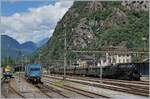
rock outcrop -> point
(136, 5)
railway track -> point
(126, 81)
(10, 89)
(136, 86)
(82, 92)
(104, 79)
(57, 91)
(45, 89)
(16, 91)
(122, 83)
(132, 89)
(2, 80)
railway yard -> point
(54, 86)
(75, 49)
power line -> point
(111, 51)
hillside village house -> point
(119, 55)
(114, 59)
(85, 62)
(109, 59)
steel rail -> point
(80, 91)
(16, 91)
(56, 91)
(43, 91)
(127, 90)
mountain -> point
(7, 42)
(29, 47)
(11, 47)
(42, 42)
(92, 25)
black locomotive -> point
(122, 71)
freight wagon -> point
(123, 71)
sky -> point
(31, 20)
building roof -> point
(115, 48)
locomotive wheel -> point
(28, 80)
(41, 82)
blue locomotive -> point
(33, 73)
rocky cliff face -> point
(136, 5)
(83, 34)
(93, 25)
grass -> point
(58, 83)
(1, 75)
(15, 74)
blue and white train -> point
(33, 73)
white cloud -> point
(35, 24)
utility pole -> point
(21, 89)
(94, 60)
(22, 62)
(26, 60)
(7, 56)
(39, 57)
(65, 53)
(144, 47)
(144, 43)
(7, 59)
(101, 73)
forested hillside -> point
(94, 25)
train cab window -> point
(35, 69)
